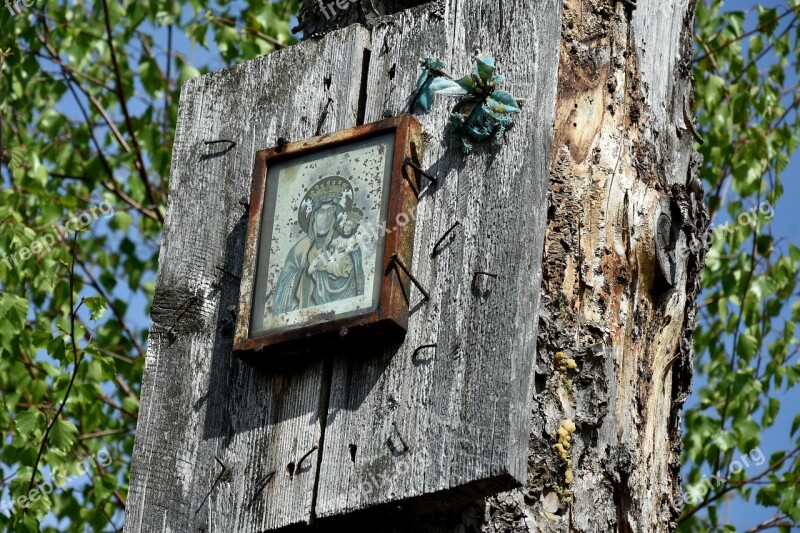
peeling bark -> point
(609, 309)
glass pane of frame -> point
(321, 248)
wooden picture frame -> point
(330, 232)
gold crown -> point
(354, 214)
(328, 189)
(332, 189)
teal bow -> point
(484, 111)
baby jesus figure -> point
(338, 259)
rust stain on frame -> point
(326, 216)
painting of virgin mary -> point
(325, 264)
(321, 256)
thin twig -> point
(119, 193)
(757, 29)
(98, 434)
(113, 307)
(261, 35)
(76, 360)
(775, 521)
(735, 485)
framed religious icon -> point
(330, 238)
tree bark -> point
(619, 280)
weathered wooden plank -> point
(215, 436)
(321, 16)
(455, 417)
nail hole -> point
(353, 449)
(290, 470)
(540, 382)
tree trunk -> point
(618, 286)
(619, 281)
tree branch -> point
(128, 120)
(119, 193)
(735, 485)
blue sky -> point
(784, 224)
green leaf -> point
(448, 87)
(13, 308)
(97, 305)
(41, 338)
(484, 67)
(725, 440)
(187, 73)
(62, 435)
(770, 412)
(28, 422)
(502, 102)
(468, 83)
(747, 346)
(57, 349)
(150, 75)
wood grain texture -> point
(662, 39)
(455, 416)
(215, 436)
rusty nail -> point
(399, 263)
(231, 274)
(309, 452)
(443, 237)
(232, 143)
(216, 481)
(411, 184)
(408, 162)
(420, 348)
(261, 485)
